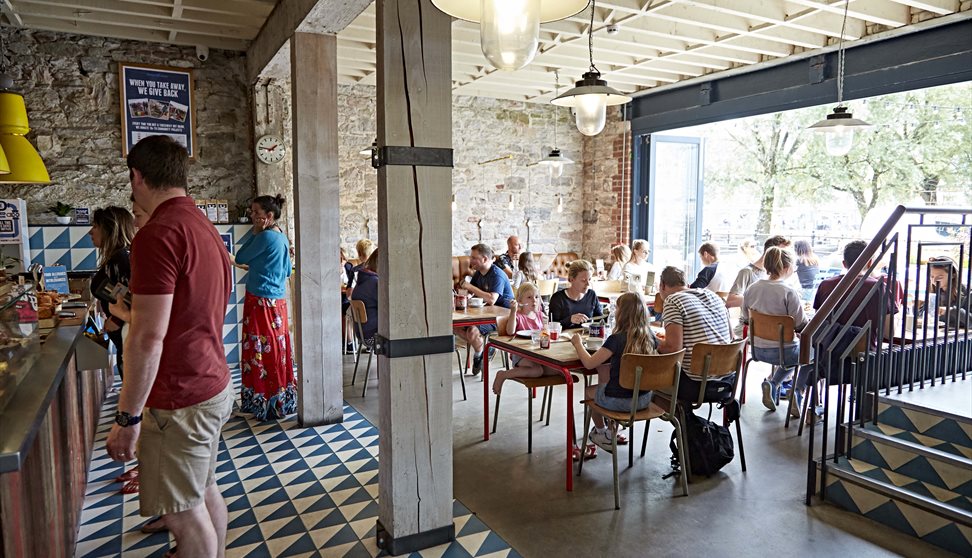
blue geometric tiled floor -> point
(290, 491)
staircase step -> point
(923, 440)
(911, 459)
(910, 484)
(947, 427)
(938, 523)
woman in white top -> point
(776, 296)
(621, 254)
(638, 264)
(526, 271)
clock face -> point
(270, 149)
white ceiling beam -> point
(940, 7)
(227, 7)
(881, 12)
(12, 15)
(105, 29)
(120, 7)
(165, 25)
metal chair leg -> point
(630, 445)
(543, 404)
(742, 451)
(682, 455)
(644, 441)
(549, 405)
(614, 462)
(742, 389)
(354, 374)
(529, 422)
(495, 414)
(367, 372)
(583, 444)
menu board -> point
(10, 220)
(156, 100)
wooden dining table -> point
(483, 315)
(561, 356)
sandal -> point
(148, 529)
(590, 452)
(622, 440)
(131, 487)
(128, 475)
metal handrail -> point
(826, 309)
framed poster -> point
(156, 100)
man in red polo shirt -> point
(178, 375)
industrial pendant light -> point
(509, 30)
(591, 96)
(555, 160)
(4, 166)
(24, 165)
(838, 128)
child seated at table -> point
(526, 314)
(631, 335)
(526, 271)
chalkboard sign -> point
(156, 100)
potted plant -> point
(242, 213)
(63, 212)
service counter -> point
(49, 411)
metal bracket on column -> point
(416, 346)
(411, 156)
(415, 542)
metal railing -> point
(887, 326)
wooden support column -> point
(317, 304)
(414, 243)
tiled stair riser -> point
(900, 515)
(950, 430)
(951, 474)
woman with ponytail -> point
(267, 364)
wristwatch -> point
(124, 419)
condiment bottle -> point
(545, 338)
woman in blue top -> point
(269, 385)
(366, 290)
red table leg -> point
(570, 429)
(486, 392)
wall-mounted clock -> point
(270, 149)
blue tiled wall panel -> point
(71, 246)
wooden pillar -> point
(414, 243)
(317, 302)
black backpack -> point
(709, 444)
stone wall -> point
(483, 129)
(70, 87)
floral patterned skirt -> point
(269, 384)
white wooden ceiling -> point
(659, 42)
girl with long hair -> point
(526, 313)
(526, 271)
(621, 254)
(631, 335)
(807, 265)
(112, 231)
(951, 295)
(269, 385)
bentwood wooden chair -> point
(716, 361)
(641, 373)
(547, 287)
(773, 328)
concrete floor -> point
(761, 512)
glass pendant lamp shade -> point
(25, 164)
(555, 162)
(590, 99)
(838, 130)
(509, 32)
(4, 166)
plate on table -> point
(525, 333)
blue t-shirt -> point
(268, 255)
(495, 281)
(616, 343)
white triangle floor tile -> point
(268, 449)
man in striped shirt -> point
(690, 316)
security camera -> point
(202, 53)
(613, 29)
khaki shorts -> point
(177, 454)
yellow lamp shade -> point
(13, 114)
(4, 166)
(26, 166)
